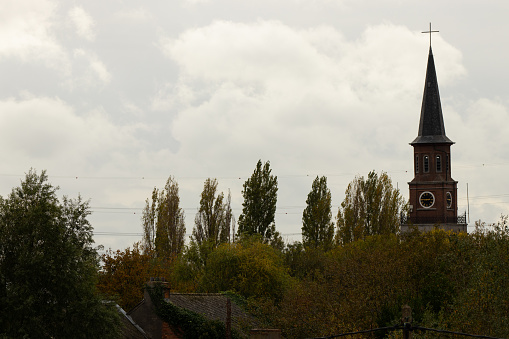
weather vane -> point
(430, 31)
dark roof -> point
(213, 307)
(130, 330)
(431, 125)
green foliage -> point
(149, 223)
(371, 206)
(305, 263)
(212, 223)
(259, 206)
(48, 268)
(457, 282)
(163, 222)
(191, 325)
(317, 225)
(358, 286)
(187, 270)
(249, 267)
(482, 306)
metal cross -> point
(430, 31)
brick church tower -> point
(433, 192)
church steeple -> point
(431, 125)
(433, 191)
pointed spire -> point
(431, 126)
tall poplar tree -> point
(317, 224)
(213, 221)
(148, 220)
(163, 221)
(259, 206)
(371, 206)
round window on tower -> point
(448, 199)
(427, 199)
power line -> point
(452, 332)
(239, 177)
(409, 327)
(125, 234)
(139, 234)
(498, 195)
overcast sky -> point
(112, 97)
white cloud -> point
(131, 108)
(26, 32)
(170, 97)
(37, 127)
(35, 130)
(271, 56)
(481, 128)
(196, 2)
(273, 90)
(244, 52)
(83, 22)
(139, 14)
(480, 155)
(94, 69)
(100, 70)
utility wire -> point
(409, 327)
(301, 207)
(142, 177)
(452, 332)
(91, 177)
(106, 233)
(395, 327)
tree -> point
(248, 267)
(212, 223)
(371, 206)
(163, 222)
(149, 223)
(124, 274)
(48, 267)
(317, 225)
(259, 206)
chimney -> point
(160, 282)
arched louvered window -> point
(426, 164)
(439, 163)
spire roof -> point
(431, 125)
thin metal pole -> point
(468, 205)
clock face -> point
(427, 199)
(448, 199)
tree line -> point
(371, 206)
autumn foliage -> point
(124, 274)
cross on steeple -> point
(430, 31)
